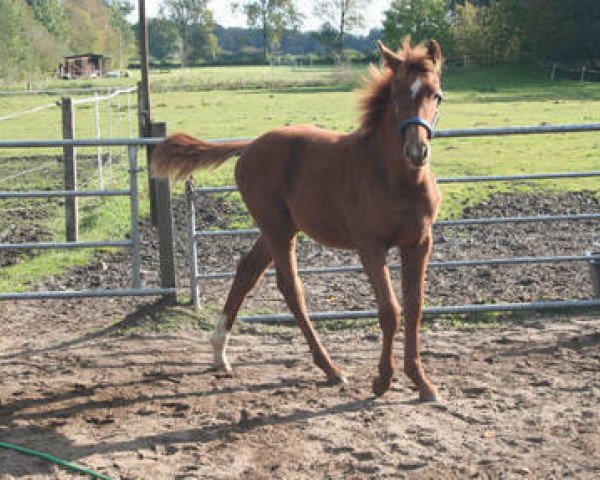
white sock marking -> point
(219, 341)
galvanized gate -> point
(593, 258)
(137, 289)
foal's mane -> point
(375, 96)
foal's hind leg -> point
(249, 270)
(289, 283)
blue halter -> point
(404, 124)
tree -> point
(162, 38)
(91, 29)
(13, 46)
(328, 38)
(187, 15)
(566, 30)
(343, 15)
(504, 29)
(420, 19)
(468, 32)
(213, 45)
(27, 48)
(51, 15)
(551, 30)
(200, 44)
(118, 11)
(271, 17)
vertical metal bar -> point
(136, 260)
(120, 122)
(109, 120)
(99, 148)
(594, 265)
(193, 243)
(129, 116)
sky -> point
(223, 15)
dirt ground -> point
(521, 401)
(104, 383)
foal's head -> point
(415, 94)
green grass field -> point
(228, 77)
(473, 98)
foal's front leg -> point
(374, 263)
(414, 265)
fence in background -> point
(111, 124)
(583, 74)
(137, 289)
(593, 258)
(164, 224)
(68, 121)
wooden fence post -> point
(70, 159)
(145, 127)
(164, 219)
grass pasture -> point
(482, 98)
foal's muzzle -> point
(417, 155)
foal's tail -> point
(180, 154)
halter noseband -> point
(416, 120)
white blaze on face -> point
(415, 88)
(218, 341)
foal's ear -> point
(391, 59)
(434, 52)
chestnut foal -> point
(369, 191)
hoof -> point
(337, 380)
(223, 368)
(428, 396)
(380, 386)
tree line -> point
(496, 31)
(36, 34)
(487, 31)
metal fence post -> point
(594, 263)
(193, 243)
(164, 219)
(136, 260)
(70, 158)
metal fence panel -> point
(457, 309)
(133, 242)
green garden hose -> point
(50, 458)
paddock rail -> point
(592, 258)
(137, 289)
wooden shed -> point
(88, 65)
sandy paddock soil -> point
(521, 401)
(518, 401)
